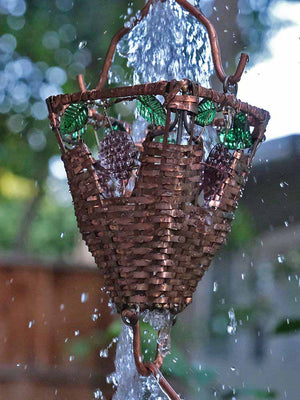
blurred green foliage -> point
(243, 231)
(288, 326)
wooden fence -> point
(52, 322)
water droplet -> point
(62, 235)
(231, 327)
(82, 44)
(283, 184)
(31, 323)
(280, 258)
(62, 307)
(230, 330)
(98, 394)
(233, 368)
(286, 223)
(84, 297)
(103, 353)
(95, 317)
(71, 358)
(215, 288)
(243, 276)
(76, 333)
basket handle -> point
(213, 38)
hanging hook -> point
(228, 87)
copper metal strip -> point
(158, 88)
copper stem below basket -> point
(146, 369)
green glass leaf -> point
(239, 136)
(206, 113)
(73, 121)
(151, 109)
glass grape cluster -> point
(117, 159)
(216, 169)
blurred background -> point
(240, 337)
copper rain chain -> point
(137, 205)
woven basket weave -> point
(154, 246)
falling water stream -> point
(168, 44)
(130, 385)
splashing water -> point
(130, 385)
(162, 322)
(168, 44)
(231, 327)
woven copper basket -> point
(153, 245)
